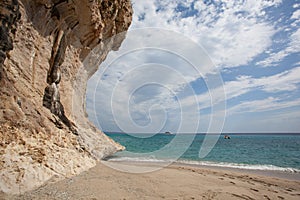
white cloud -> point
(162, 99)
(285, 81)
(296, 64)
(232, 32)
(296, 5)
(292, 46)
(272, 116)
(263, 105)
(284, 121)
(282, 82)
(296, 15)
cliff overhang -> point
(47, 54)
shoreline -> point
(289, 174)
(172, 182)
(268, 173)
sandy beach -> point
(172, 182)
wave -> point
(241, 166)
(207, 163)
(136, 159)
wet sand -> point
(172, 182)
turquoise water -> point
(265, 152)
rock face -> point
(48, 51)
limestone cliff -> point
(48, 51)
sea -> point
(269, 152)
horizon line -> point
(226, 133)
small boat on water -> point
(226, 137)
(168, 133)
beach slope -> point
(173, 182)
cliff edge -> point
(48, 51)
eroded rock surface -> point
(48, 51)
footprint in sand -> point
(280, 197)
(273, 191)
(250, 183)
(255, 190)
(266, 197)
(243, 196)
(232, 182)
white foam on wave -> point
(136, 159)
(241, 166)
(207, 163)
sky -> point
(202, 66)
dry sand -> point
(173, 182)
